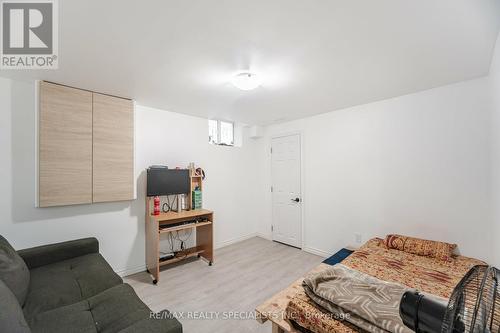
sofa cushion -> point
(70, 318)
(68, 282)
(13, 271)
(113, 310)
(11, 315)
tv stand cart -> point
(159, 224)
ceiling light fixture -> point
(246, 81)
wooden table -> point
(161, 224)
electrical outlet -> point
(358, 238)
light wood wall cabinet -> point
(113, 161)
(86, 147)
(65, 146)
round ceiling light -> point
(246, 81)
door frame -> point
(302, 191)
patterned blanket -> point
(425, 274)
(362, 300)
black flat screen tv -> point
(163, 181)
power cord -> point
(176, 236)
(183, 240)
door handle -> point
(296, 199)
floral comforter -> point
(426, 274)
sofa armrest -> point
(52, 253)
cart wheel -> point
(155, 281)
(209, 263)
(199, 255)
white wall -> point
(495, 93)
(161, 138)
(416, 165)
(420, 164)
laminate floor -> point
(244, 275)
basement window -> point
(220, 132)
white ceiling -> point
(314, 56)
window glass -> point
(213, 136)
(226, 133)
(220, 132)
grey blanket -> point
(361, 299)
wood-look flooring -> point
(244, 275)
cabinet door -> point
(113, 145)
(65, 146)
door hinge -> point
(272, 228)
(271, 188)
(271, 150)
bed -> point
(292, 310)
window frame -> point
(218, 138)
(216, 142)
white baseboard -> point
(317, 252)
(142, 268)
(261, 235)
(131, 270)
(234, 240)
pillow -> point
(422, 247)
(13, 271)
(11, 317)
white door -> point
(286, 192)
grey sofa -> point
(69, 287)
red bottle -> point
(156, 201)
